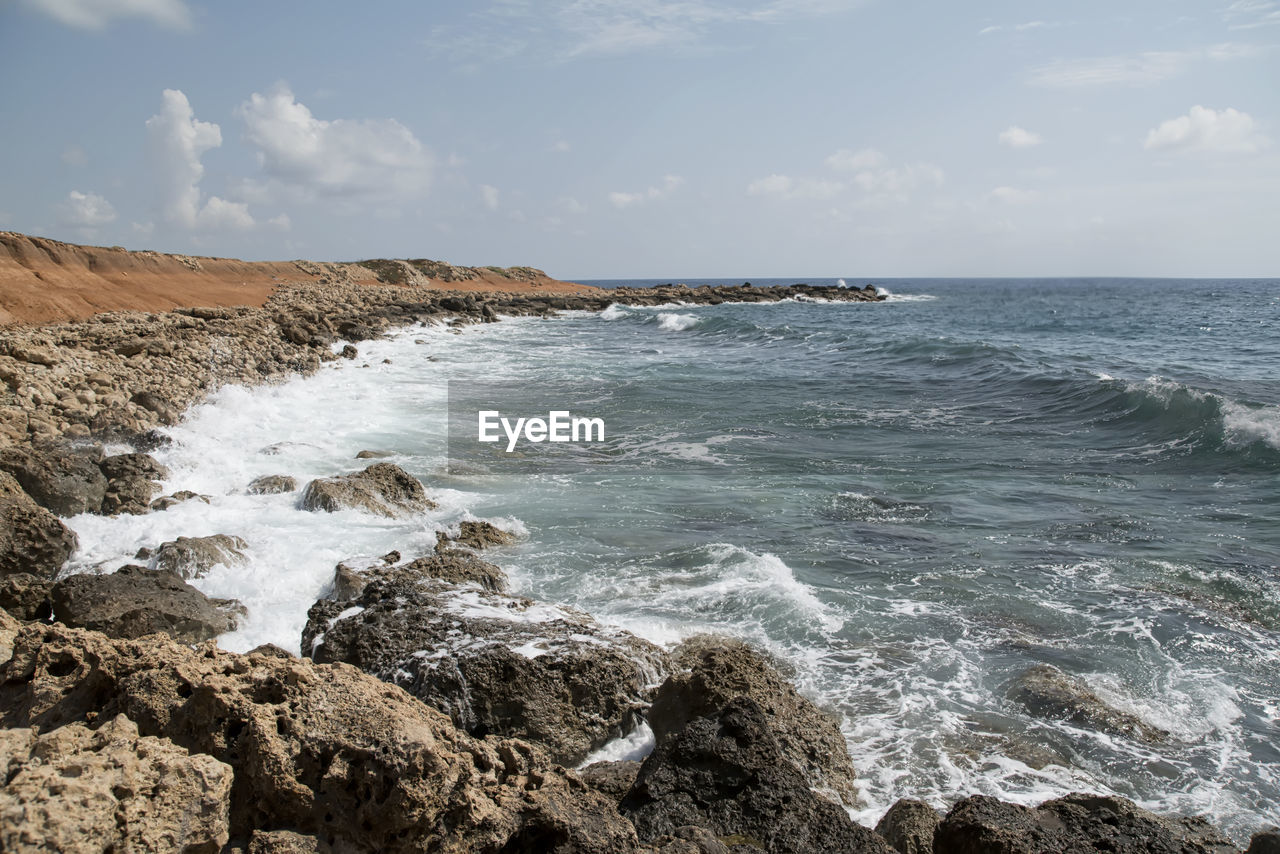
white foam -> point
(1244, 425)
(634, 746)
(614, 312)
(677, 322)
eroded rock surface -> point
(1047, 692)
(382, 488)
(193, 557)
(909, 826)
(134, 601)
(273, 484)
(63, 480)
(475, 535)
(32, 540)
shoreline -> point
(295, 334)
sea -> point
(908, 503)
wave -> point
(676, 322)
(890, 296)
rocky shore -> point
(432, 710)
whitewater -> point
(909, 502)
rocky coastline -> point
(431, 710)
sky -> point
(655, 138)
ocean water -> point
(908, 502)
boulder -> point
(193, 557)
(1047, 692)
(697, 840)
(164, 502)
(460, 568)
(132, 480)
(494, 663)
(63, 481)
(109, 789)
(474, 535)
(382, 488)
(726, 772)
(32, 540)
(26, 596)
(133, 602)
(611, 779)
(909, 826)
(9, 628)
(718, 669)
(318, 750)
(285, 842)
(1079, 822)
(374, 455)
(273, 484)
(1265, 842)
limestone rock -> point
(460, 568)
(611, 779)
(26, 596)
(134, 601)
(75, 789)
(1265, 842)
(1047, 692)
(495, 663)
(193, 557)
(1078, 822)
(909, 826)
(720, 669)
(32, 539)
(132, 480)
(726, 772)
(61, 480)
(382, 488)
(475, 535)
(273, 484)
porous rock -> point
(76, 789)
(319, 750)
(134, 601)
(475, 535)
(720, 669)
(32, 539)
(62, 480)
(611, 779)
(132, 481)
(26, 596)
(273, 484)
(382, 488)
(726, 772)
(909, 826)
(193, 557)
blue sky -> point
(664, 138)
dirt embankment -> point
(48, 281)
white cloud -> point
(281, 222)
(340, 157)
(1250, 14)
(74, 155)
(1012, 195)
(1142, 69)
(898, 180)
(96, 14)
(774, 185)
(1203, 129)
(848, 160)
(178, 140)
(490, 196)
(1016, 137)
(786, 187)
(86, 210)
(624, 200)
(1017, 28)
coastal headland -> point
(126, 728)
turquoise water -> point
(909, 502)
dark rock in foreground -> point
(494, 663)
(722, 668)
(26, 596)
(1077, 823)
(63, 480)
(133, 602)
(132, 481)
(382, 488)
(611, 779)
(32, 540)
(1047, 692)
(726, 772)
(909, 826)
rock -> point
(273, 484)
(318, 750)
(720, 669)
(109, 789)
(1078, 822)
(496, 664)
(611, 779)
(193, 557)
(460, 568)
(134, 601)
(165, 411)
(32, 540)
(1265, 842)
(382, 488)
(26, 596)
(35, 356)
(349, 352)
(1047, 692)
(284, 842)
(63, 481)
(166, 501)
(909, 826)
(726, 772)
(475, 535)
(374, 455)
(695, 840)
(132, 480)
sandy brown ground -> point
(48, 281)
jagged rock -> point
(134, 601)
(1077, 823)
(696, 840)
(132, 480)
(909, 826)
(1047, 692)
(1265, 842)
(319, 750)
(164, 502)
(726, 772)
(9, 628)
(285, 842)
(611, 779)
(76, 789)
(26, 596)
(193, 557)
(273, 484)
(721, 668)
(32, 539)
(475, 535)
(382, 488)
(494, 663)
(63, 481)
(460, 568)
